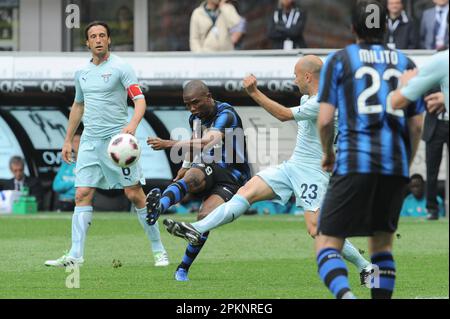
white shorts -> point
(308, 183)
(94, 168)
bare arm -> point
(325, 125)
(212, 137)
(398, 101)
(76, 114)
(140, 107)
(277, 110)
(415, 124)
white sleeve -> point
(307, 111)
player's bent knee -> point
(84, 195)
(195, 179)
(248, 192)
(131, 194)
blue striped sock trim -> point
(165, 203)
(385, 262)
(333, 271)
(182, 183)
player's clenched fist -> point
(250, 84)
(67, 152)
(328, 162)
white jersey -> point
(302, 174)
(308, 149)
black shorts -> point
(219, 181)
(361, 205)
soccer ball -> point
(124, 150)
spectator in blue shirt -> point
(415, 204)
(64, 182)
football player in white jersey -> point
(101, 90)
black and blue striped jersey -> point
(373, 138)
(234, 152)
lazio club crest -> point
(106, 77)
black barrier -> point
(164, 92)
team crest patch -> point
(106, 77)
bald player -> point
(301, 175)
(213, 170)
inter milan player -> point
(301, 175)
(101, 101)
(216, 165)
(375, 148)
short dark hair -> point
(95, 23)
(360, 16)
(16, 160)
(417, 176)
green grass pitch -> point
(255, 257)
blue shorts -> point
(94, 168)
(308, 183)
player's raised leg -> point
(137, 196)
(81, 220)
(380, 247)
(253, 191)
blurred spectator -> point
(435, 135)
(122, 30)
(414, 204)
(20, 180)
(64, 182)
(238, 32)
(286, 26)
(433, 28)
(211, 26)
(401, 32)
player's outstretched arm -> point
(211, 138)
(399, 101)
(76, 113)
(140, 107)
(277, 110)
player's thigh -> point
(311, 218)
(196, 179)
(88, 170)
(84, 195)
(390, 193)
(309, 185)
(119, 177)
(275, 185)
(209, 205)
(255, 190)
